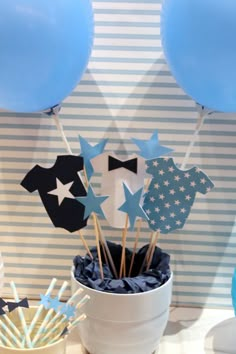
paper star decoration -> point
(132, 207)
(88, 152)
(45, 301)
(68, 311)
(92, 203)
(62, 191)
(151, 149)
(55, 303)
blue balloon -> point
(199, 42)
(44, 50)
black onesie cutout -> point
(70, 213)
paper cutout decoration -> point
(171, 194)
(92, 203)
(62, 191)
(233, 291)
(132, 205)
(53, 187)
(55, 303)
(151, 149)
(2, 305)
(68, 310)
(64, 332)
(112, 183)
(88, 152)
(130, 165)
(14, 305)
(45, 301)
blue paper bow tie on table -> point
(131, 165)
(13, 305)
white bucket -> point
(124, 323)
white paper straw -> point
(81, 303)
(11, 335)
(12, 325)
(6, 340)
(41, 329)
(70, 327)
(21, 315)
(48, 328)
(40, 308)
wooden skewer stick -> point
(101, 236)
(68, 148)
(123, 257)
(156, 236)
(146, 258)
(135, 245)
(98, 245)
(97, 233)
(138, 232)
(104, 242)
(103, 249)
(85, 244)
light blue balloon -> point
(199, 42)
(44, 50)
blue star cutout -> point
(68, 311)
(88, 152)
(151, 149)
(55, 303)
(132, 207)
(45, 301)
(92, 203)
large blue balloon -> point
(44, 50)
(199, 41)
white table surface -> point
(189, 331)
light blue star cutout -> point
(68, 311)
(151, 149)
(45, 301)
(132, 207)
(55, 304)
(92, 203)
(88, 152)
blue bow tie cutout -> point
(131, 165)
(13, 305)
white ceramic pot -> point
(124, 323)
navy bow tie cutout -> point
(2, 304)
(65, 331)
(13, 305)
(131, 165)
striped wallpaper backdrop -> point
(127, 91)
